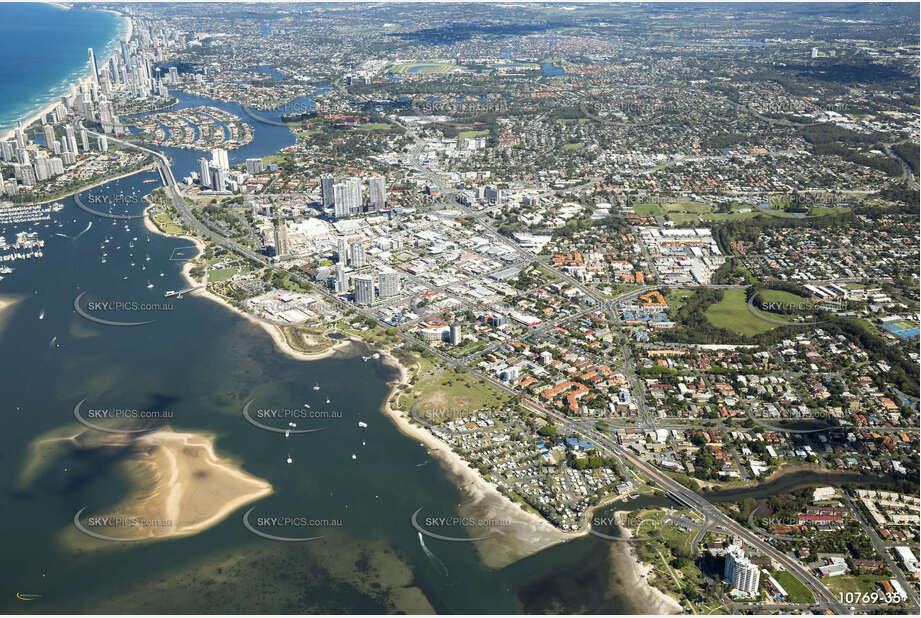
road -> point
(712, 515)
(882, 550)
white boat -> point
(354, 456)
(362, 424)
(316, 387)
(289, 460)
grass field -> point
(780, 296)
(571, 147)
(471, 133)
(732, 314)
(446, 390)
(166, 223)
(676, 298)
(649, 209)
(685, 212)
(853, 583)
(797, 590)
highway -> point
(713, 516)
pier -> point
(179, 294)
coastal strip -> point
(127, 31)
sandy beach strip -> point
(529, 534)
(636, 576)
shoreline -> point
(124, 34)
(483, 499)
(103, 181)
(273, 330)
(539, 534)
(176, 485)
(181, 485)
(638, 578)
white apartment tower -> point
(377, 192)
(741, 573)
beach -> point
(528, 533)
(635, 576)
(126, 34)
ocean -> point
(43, 50)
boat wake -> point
(435, 560)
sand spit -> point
(180, 485)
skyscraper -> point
(455, 334)
(377, 192)
(218, 179)
(204, 173)
(342, 282)
(389, 284)
(71, 137)
(254, 166)
(340, 201)
(93, 68)
(354, 195)
(219, 159)
(357, 251)
(342, 251)
(48, 130)
(364, 289)
(326, 190)
(101, 142)
(281, 238)
(20, 136)
(106, 116)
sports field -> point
(732, 313)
